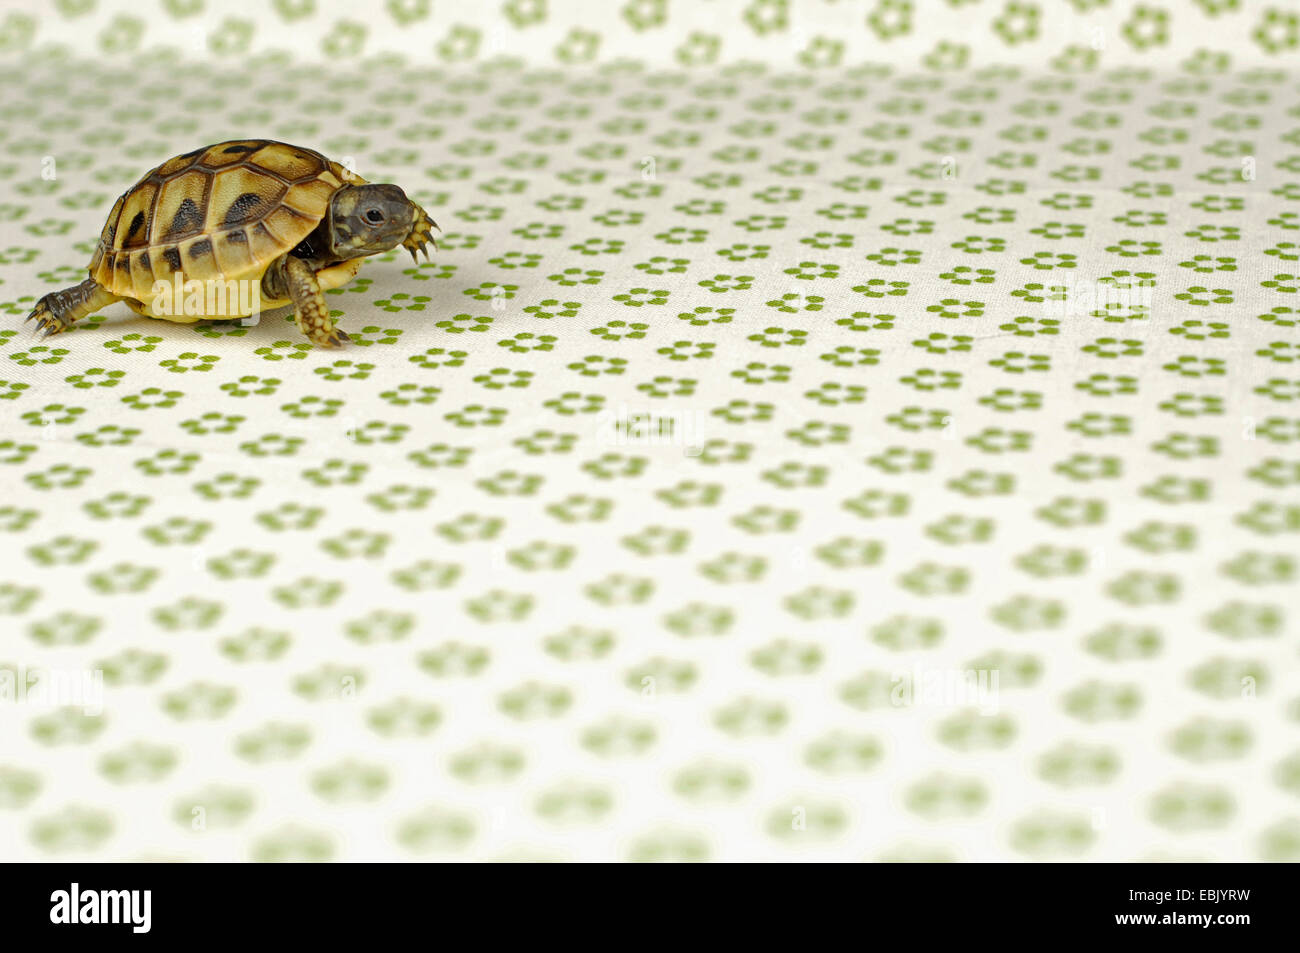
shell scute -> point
(293, 165)
(313, 197)
(178, 213)
(241, 196)
(230, 153)
(134, 217)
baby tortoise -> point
(284, 220)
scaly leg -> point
(57, 311)
(293, 278)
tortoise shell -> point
(226, 211)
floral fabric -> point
(827, 431)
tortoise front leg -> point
(57, 311)
(293, 278)
(420, 234)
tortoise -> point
(286, 221)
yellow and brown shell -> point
(223, 212)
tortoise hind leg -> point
(58, 310)
(293, 278)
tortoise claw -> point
(335, 337)
(47, 322)
(421, 236)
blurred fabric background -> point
(830, 430)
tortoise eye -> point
(374, 216)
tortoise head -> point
(369, 219)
